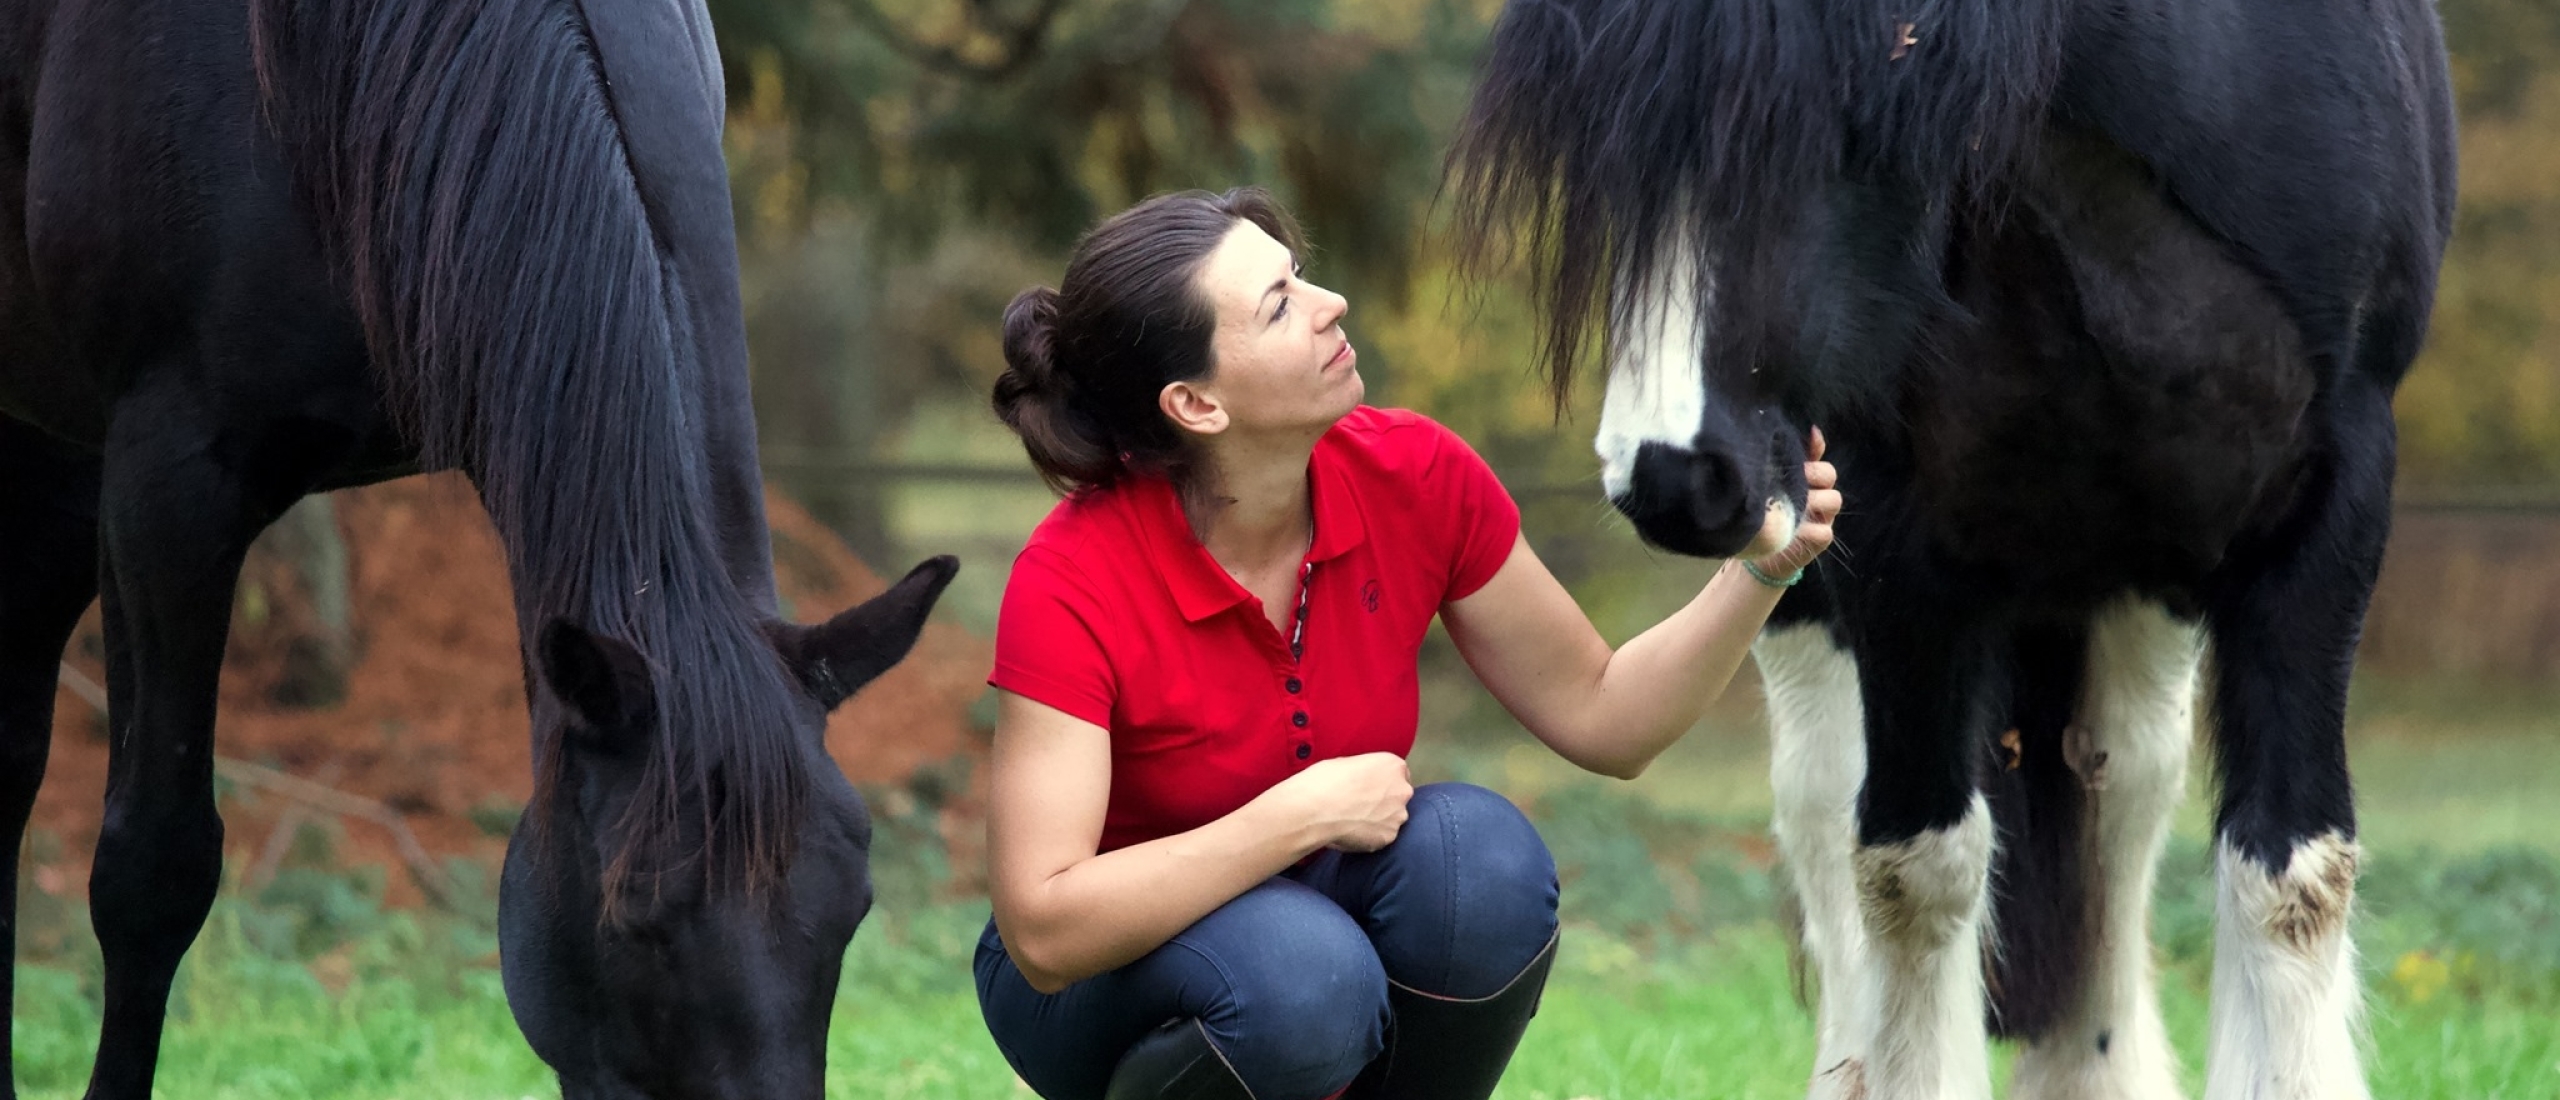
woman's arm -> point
(1613, 712)
(1066, 913)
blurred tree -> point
(294, 613)
(904, 166)
(2483, 405)
(1033, 117)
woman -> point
(1211, 875)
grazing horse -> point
(252, 250)
(2101, 307)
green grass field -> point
(1673, 981)
(1711, 1018)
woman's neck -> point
(1255, 511)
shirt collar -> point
(1201, 587)
(1335, 503)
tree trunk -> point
(295, 606)
(819, 348)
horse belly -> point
(154, 240)
(33, 388)
(2126, 400)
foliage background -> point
(901, 168)
(904, 166)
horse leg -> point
(1925, 835)
(1817, 757)
(2129, 746)
(48, 574)
(178, 521)
(2285, 617)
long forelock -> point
(1604, 132)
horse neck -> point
(530, 208)
(639, 533)
(539, 245)
(728, 460)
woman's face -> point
(1282, 363)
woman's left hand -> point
(1813, 533)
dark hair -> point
(1084, 362)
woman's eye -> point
(1283, 311)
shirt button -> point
(1294, 685)
(1305, 751)
(1299, 719)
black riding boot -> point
(1175, 1062)
(1440, 1049)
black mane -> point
(1614, 130)
(473, 178)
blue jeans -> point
(1290, 979)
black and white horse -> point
(2101, 307)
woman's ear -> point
(1192, 407)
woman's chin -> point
(1356, 390)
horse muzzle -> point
(1703, 504)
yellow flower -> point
(2421, 975)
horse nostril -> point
(1715, 485)
(1691, 502)
(1706, 489)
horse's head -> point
(1744, 204)
(1696, 452)
(645, 969)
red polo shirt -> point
(1116, 615)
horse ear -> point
(835, 658)
(604, 681)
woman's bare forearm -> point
(1655, 686)
(1107, 911)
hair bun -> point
(1030, 344)
(1035, 398)
(1086, 364)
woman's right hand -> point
(1353, 803)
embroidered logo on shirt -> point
(1370, 595)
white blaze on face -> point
(1657, 374)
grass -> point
(1710, 1018)
(1673, 981)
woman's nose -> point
(1332, 308)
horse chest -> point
(2125, 400)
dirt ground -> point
(433, 722)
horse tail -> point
(1615, 129)
(537, 255)
(2037, 946)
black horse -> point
(253, 250)
(2101, 306)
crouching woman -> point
(1211, 874)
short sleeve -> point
(1483, 521)
(1049, 639)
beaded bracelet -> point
(1788, 581)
